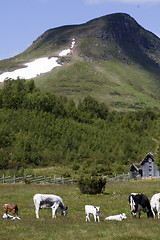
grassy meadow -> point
(113, 201)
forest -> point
(42, 129)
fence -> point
(37, 179)
(59, 180)
(118, 178)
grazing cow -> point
(139, 202)
(10, 208)
(49, 201)
(155, 204)
(119, 217)
(89, 209)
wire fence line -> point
(36, 179)
(28, 179)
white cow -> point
(89, 209)
(119, 217)
(155, 204)
(49, 201)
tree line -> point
(42, 129)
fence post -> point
(72, 180)
(3, 178)
(54, 178)
(24, 177)
(62, 180)
(35, 178)
(14, 179)
(115, 176)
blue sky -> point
(22, 21)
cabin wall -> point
(149, 169)
(135, 174)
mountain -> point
(114, 60)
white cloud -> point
(121, 1)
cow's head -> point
(150, 214)
(132, 203)
(97, 210)
(64, 211)
(124, 216)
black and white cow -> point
(49, 201)
(139, 202)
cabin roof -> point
(149, 155)
(135, 166)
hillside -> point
(39, 129)
(114, 60)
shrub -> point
(66, 174)
(76, 167)
(92, 185)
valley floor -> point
(113, 201)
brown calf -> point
(11, 208)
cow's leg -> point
(98, 218)
(54, 209)
(94, 217)
(53, 212)
(133, 214)
(154, 215)
(87, 217)
(37, 211)
(5, 213)
(135, 211)
(13, 212)
(139, 214)
(158, 208)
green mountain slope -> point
(114, 60)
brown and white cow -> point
(12, 209)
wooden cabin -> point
(147, 167)
(136, 170)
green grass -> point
(120, 86)
(113, 201)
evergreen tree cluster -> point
(42, 129)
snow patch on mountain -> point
(37, 67)
(67, 51)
